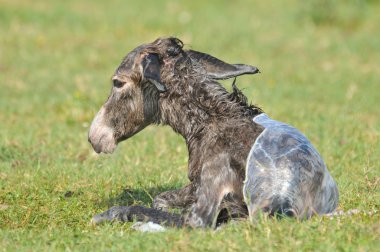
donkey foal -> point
(240, 161)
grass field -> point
(320, 73)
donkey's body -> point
(160, 83)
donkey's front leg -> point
(138, 213)
(180, 198)
(217, 180)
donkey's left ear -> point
(151, 71)
(219, 70)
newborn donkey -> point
(240, 161)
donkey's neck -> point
(205, 130)
(194, 105)
(185, 118)
(193, 119)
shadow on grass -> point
(129, 196)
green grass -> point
(320, 73)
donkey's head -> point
(138, 87)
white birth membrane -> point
(284, 169)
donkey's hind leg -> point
(180, 198)
(261, 197)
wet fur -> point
(216, 125)
(218, 129)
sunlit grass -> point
(320, 72)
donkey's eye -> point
(117, 83)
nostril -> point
(94, 146)
(91, 142)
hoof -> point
(115, 213)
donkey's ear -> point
(151, 71)
(219, 70)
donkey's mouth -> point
(103, 145)
(101, 136)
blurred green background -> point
(320, 72)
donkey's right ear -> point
(151, 71)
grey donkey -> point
(241, 162)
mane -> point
(217, 100)
(238, 97)
(197, 95)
